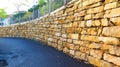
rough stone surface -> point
(114, 50)
(96, 53)
(95, 45)
(111, 31)
(105, 22)
(106, 64)
(84, 29)
(110, 40)
(116, 21)
(112, 59)
(74, 36)
(94, 61)
(111, 5)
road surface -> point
(19, 52)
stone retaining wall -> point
(84, 29)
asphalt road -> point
(19, 52)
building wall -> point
(84, 29)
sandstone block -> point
(116, 21)
(90, 38)
(95, 10)
(95, 45)
(77, 42)
(82, 24)
(111, 31)
(106, 64)
(88, 16)
(94, 61)
(71, 46)
(72, 52)
(96, 23)
(84, 31)
(60, 47)
(92, 31)
(112, 59)
(84, 49)
(70, 17)
(60, 42)
(105, 47)
(80, 55)
(105, 22)
(64, 35)
(111, 5)
(58, 34)
(76, 48)
(62, 21)
(50, 39)
(112, 13)
(70, 30)
(95, 5)
(80, 5)
(78, 30)
(67, 25)
(75, 24)
(114, 50)
(98, 15)
(69, 40)
(89, 23)
(96, 53)
(108, 1)
(110, 40)
(85, 3)
(91, 1)
(66, 50)
(82, 13)
(74, 36)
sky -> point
(10, 5)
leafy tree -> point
(18, 16)
(56, 4)
(42, 2)
(27, 15)
(41, 5)
(35, 7)
(3, 14)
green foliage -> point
(18, 16)
(42, 5)
(3, 14)
(33, 8)
(44, 9)
(56, 4)
(27, 14)
(42, 2)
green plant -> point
(42, 2)
(3, 14)
(56, 4)
(27, 14)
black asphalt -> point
(19, 52)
